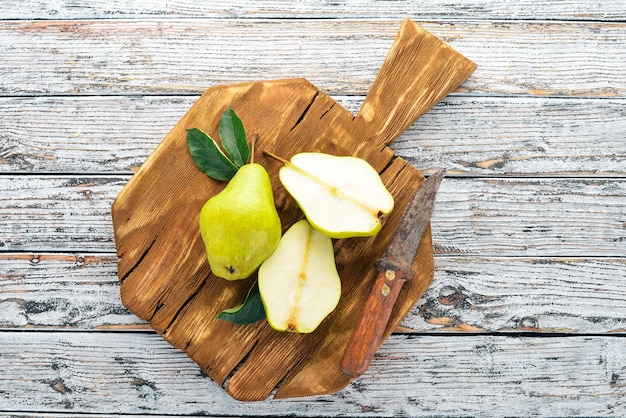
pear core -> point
(240, 226)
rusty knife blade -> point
(413, 222)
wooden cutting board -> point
(165, 278)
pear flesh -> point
(342, 196)
(299, 283)
(240, 226)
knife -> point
(394, 268)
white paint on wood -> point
(441, 9)
(66, 291)
(46, 213)
(338, 56)
(499, 376)
(497, 217)
(478, 294)
(98, 134)
(519, 136)
(139, 373)
(539, 217)
(541, 295)
(466, 135)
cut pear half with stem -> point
(299, 284)
(342, 196)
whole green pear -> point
(240, 226)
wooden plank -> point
(93, 134)
(187, 55)
(441, 9)
(474, 216)
(547, 295)
(139, 373)
(68, 291)
(519, 137)
(486, 136)
(478, 294)
(539, 217)
(65, 213)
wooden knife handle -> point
(367, 334)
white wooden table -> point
(527, 312)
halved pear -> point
(299, 283)
(342, 196)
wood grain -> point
(130, 373)
(482, 136)
(581, 59)
(62, 291)
(68, 213)
(474, 216)
(241, 9)
(468, 294)
(576, 216)
(542, 295)
(477, 136)
(92, 134)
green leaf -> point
(233, 137)
(249, 312)
(208, 156)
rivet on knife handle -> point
(393, 270)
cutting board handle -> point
(418, 72)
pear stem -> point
(253, 138)
(276, 157)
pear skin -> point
(240, 226)
(299, 284)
